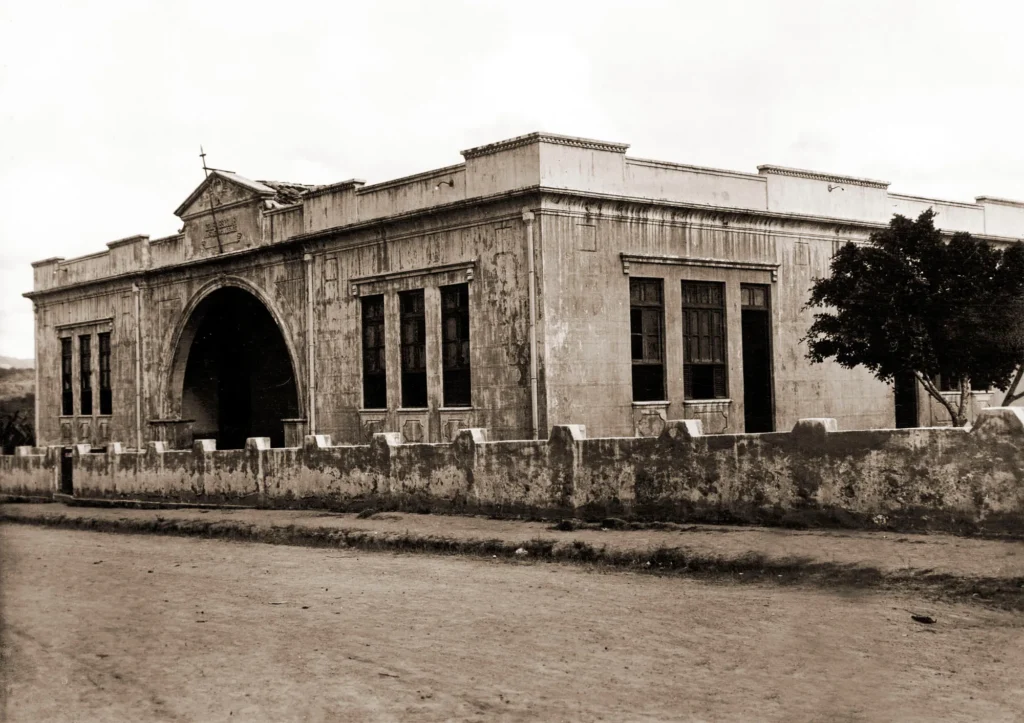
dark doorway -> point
(239, 380)
(905, 392)
(67, 459)
(757, 359)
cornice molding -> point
(532, 138)
(772, 221)
(769, 170)
(424, 176)
(706, 170)
(628, 259)
(127, 240)
(467, 266)
(999, 201)
(936, 201)
(104, 322)
(167, 239)
(350, 184)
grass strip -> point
(1005, 593)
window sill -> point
(468, 408)
(707, 402)
(663, 403)
(377, 410)
(413, 410)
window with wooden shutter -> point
(457, 388)
(106, 400)
(375, 388)
(414, 349)
(704, 343)
(647, 339)
(85, 373)
(67, 393)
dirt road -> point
(101, 627)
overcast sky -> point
(103, 105)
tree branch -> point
(965, 393)
(1012, 395)
(930, 387)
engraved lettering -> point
(225, 227)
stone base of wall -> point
(934, 478)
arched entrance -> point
(238, 379)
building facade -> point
(545, 280)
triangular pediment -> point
(222, 188)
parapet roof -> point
(543, 162)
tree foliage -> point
(15, 431)
(910, 301)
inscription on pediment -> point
(220, 229)
(221, 233)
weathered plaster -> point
(933, 478)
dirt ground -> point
(103, 627)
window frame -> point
(85, 406)
(105, 371)
(716, 359)
(374, 383)
(457, 375)
(651, 313)
(67, 356)
(412, 315)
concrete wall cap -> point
(115, 448)
(257, 444)
(476, 435)
(388, 439)
(316, 441)
(816, 424)
(683, 428)
(575, 432)
(204, 445)
(1000, 421)
(156, 447)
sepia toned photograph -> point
(478, 360)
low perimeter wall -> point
(933, 478)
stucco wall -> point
(30, 472)
(933, 478)
(592, 204)
(585, 324)
(107, 308)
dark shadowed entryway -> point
(238, 381)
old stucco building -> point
(545, 280)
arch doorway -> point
(239, 380)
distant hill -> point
(17, 384)
(10, 362)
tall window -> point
(375, 387)
(704, 361)
(106, 401)
(85, 372)
(646, 327)
(67, 394)
(455, 345)
(414, 349)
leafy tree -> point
(15, 431)
(909, 301)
